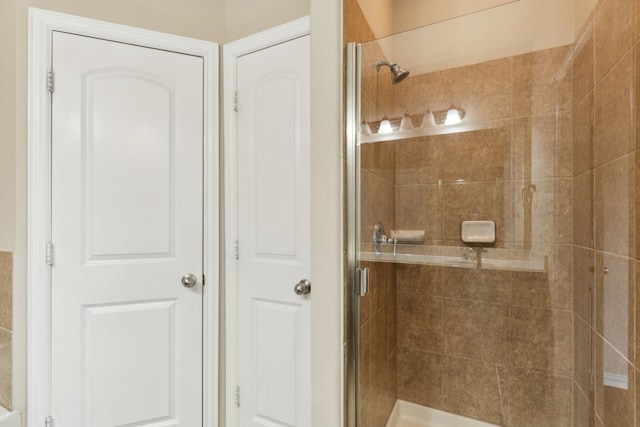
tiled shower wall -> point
(378, 343)
(488, 344)
(495, 345)
(556, 167)
(6, 312)
(378, 352)
(606, 71)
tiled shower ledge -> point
(456, 256)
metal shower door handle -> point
(303, 287)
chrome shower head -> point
(397, 73)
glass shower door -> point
(456, 320)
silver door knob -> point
(303, 287)
(189, 280)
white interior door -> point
(127, 179)
(273, 161)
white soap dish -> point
(407, 235)
(478, 231)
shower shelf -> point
(431, 131)
(457, 256)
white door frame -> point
(41, 25)
(230, 54)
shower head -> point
(397, 73)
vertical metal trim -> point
(352, 307)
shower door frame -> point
(351, 297)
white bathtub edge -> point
(11, 419)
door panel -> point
(139, 363)
(142, 129)
(127, 174)
(273, 355)
(274, 324)
(275, 102)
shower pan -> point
(491, 256)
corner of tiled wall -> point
(606, 216)
(6, 313)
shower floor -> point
(407, 414)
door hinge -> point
(48, 422)
(236, 249)
(362, 281)
(50, 81)
(49, 254)
(237, 396)
(235, 100)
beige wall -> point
(410, 14)
(581, 11)
(513, 29)
(245, 17)
(7, 129)
(199, 19)
(379, 15)
(327, 205)
(558, 17)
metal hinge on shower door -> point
(362, 281)
(237, 396)
(48, 422)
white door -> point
(127, 143)
(274, 323)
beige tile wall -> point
(378, 357)
(492, 345)
(6, 314)
(468, 343)
(558, 173)
(606, 74)
(378, 343)
(500, 341)
(378, 352)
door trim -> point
(230, 54)
(42, 23)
